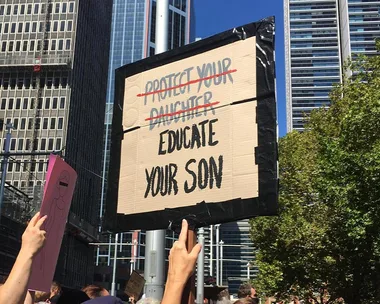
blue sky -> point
(215, 16)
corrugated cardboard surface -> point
(235, 130)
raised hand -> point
(33, 237)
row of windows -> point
(43, 103)
(43, 144)
(31, 27)
(51, 123)
(27, 9)
(50, 82)
(32, 46)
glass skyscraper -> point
(319, 36)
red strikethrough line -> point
(187, 83)
(184, 111)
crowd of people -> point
(181, 266)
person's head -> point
(246, 300)
(55, 289)
(41, 296)
(246, 290)
(224, 294)
(95, 291)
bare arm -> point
(181, 267)
(15, 288)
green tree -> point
(326, 237)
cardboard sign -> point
(194, 144)
(135, 285)
(194, 132)
(59, 189)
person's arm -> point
(29, 299)
(181, 267)
(15, 288)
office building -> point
(53, 79)
(319, 36)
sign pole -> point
(5, 164)
(188, 296)
(155, 240)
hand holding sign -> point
(33, 237)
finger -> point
(183, 234)
(41, 221)
(34, 220)
(195, 251)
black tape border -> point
(204, 214)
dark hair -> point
(245, 301)
(94, 291)
(244, 290)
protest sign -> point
(194, 132)
(59, 189)
(135, 285)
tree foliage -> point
(326, 237)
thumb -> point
(195, 251)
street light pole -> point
(200, 267)
(217, 253)
(248, 271)
(211, 247)
(5, 165)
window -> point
(69, 26)
(33, 165)
(13, 144)
(3, 103)
(13, 28)
(62, 27)
(18, 47)
(71, 7)
(51, 144)
(1, 10)
(19, 29)
(25, 46)
(10, 46)
(22, 9)
(47, 103)
(18, 103)
(55, 26)
(40, 165)
(43, 144)
(9, 10)
(20, 144)
(60, 44)
(4, 46)
(36, 7)
(68, 43)
(27, 27)
(62, 103)
(10, 104)
(52, 123)
(64, 7)
(58, 144)
(45, 123)
(56, 82)
(34, 27)
(60, 123)
(15, 9)
(30, 123)
(53, 45)
(6, 28)
(18, 167)
(23, 122)
(29, 11)
(57, 8)
(31, 45)
(10, 166)
(15, 123)
(55, 102)
(25, 103)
